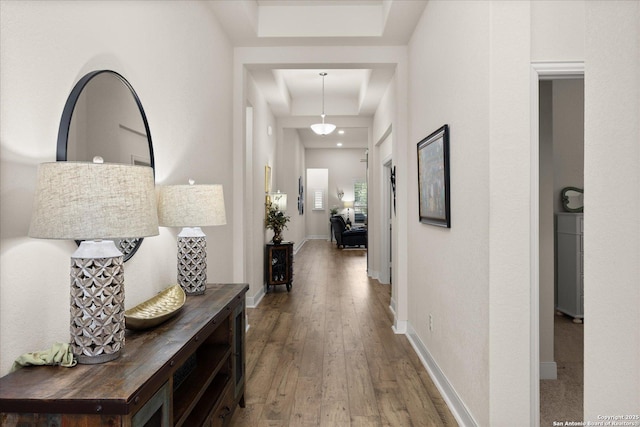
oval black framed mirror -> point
(572, 199)
(103, 116)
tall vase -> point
(277, 236)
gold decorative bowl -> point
(155, 310)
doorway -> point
(558, 157)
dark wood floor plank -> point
(281, 394)
(307, 402)
(335, 414)
(362, 397)
(393, 411)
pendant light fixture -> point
(323, 128)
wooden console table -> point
(188, 371)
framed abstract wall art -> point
(300, 196)
(433, 179)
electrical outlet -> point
(431, 322)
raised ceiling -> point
(297, 91)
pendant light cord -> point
(323, 75)
(323, 128)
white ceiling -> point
(297, 92)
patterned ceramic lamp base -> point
(128, 246)
(97, 302)
(192, 261)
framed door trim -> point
(540, 71)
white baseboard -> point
(298, 246)
(392, 306)
(373, 274)
(449, 394)
(252, 302)
(548, 371)
(318, 237)
(400, 327)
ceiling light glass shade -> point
(191, 205)
(323, 128)
(88, 201)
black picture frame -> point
(434, 189)
(393, 187)
(300, 197)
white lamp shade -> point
(323, 128)
(348, 203)
(279, 200)
(191, 205)
(89, 201)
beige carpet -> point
(562, 399)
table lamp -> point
(95, 202)
(191, 207)
(348, 204)
(279, 200)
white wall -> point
(381, 152)
(612, 203)
(263, 152)
(185, 88)
(557, 32)
(597, 32)
(568, 137)
(510, 243)
(475, 279)
(448, 268)
(291, 162)
(508, 36)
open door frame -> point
(540, 71)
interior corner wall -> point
(291, 156)
(612, 203)
(380, 150)
(264, 153)
(185, 88)
(449, 81)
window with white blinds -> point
(318, 200)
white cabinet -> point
(570, 264)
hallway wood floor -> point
(325, 354)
